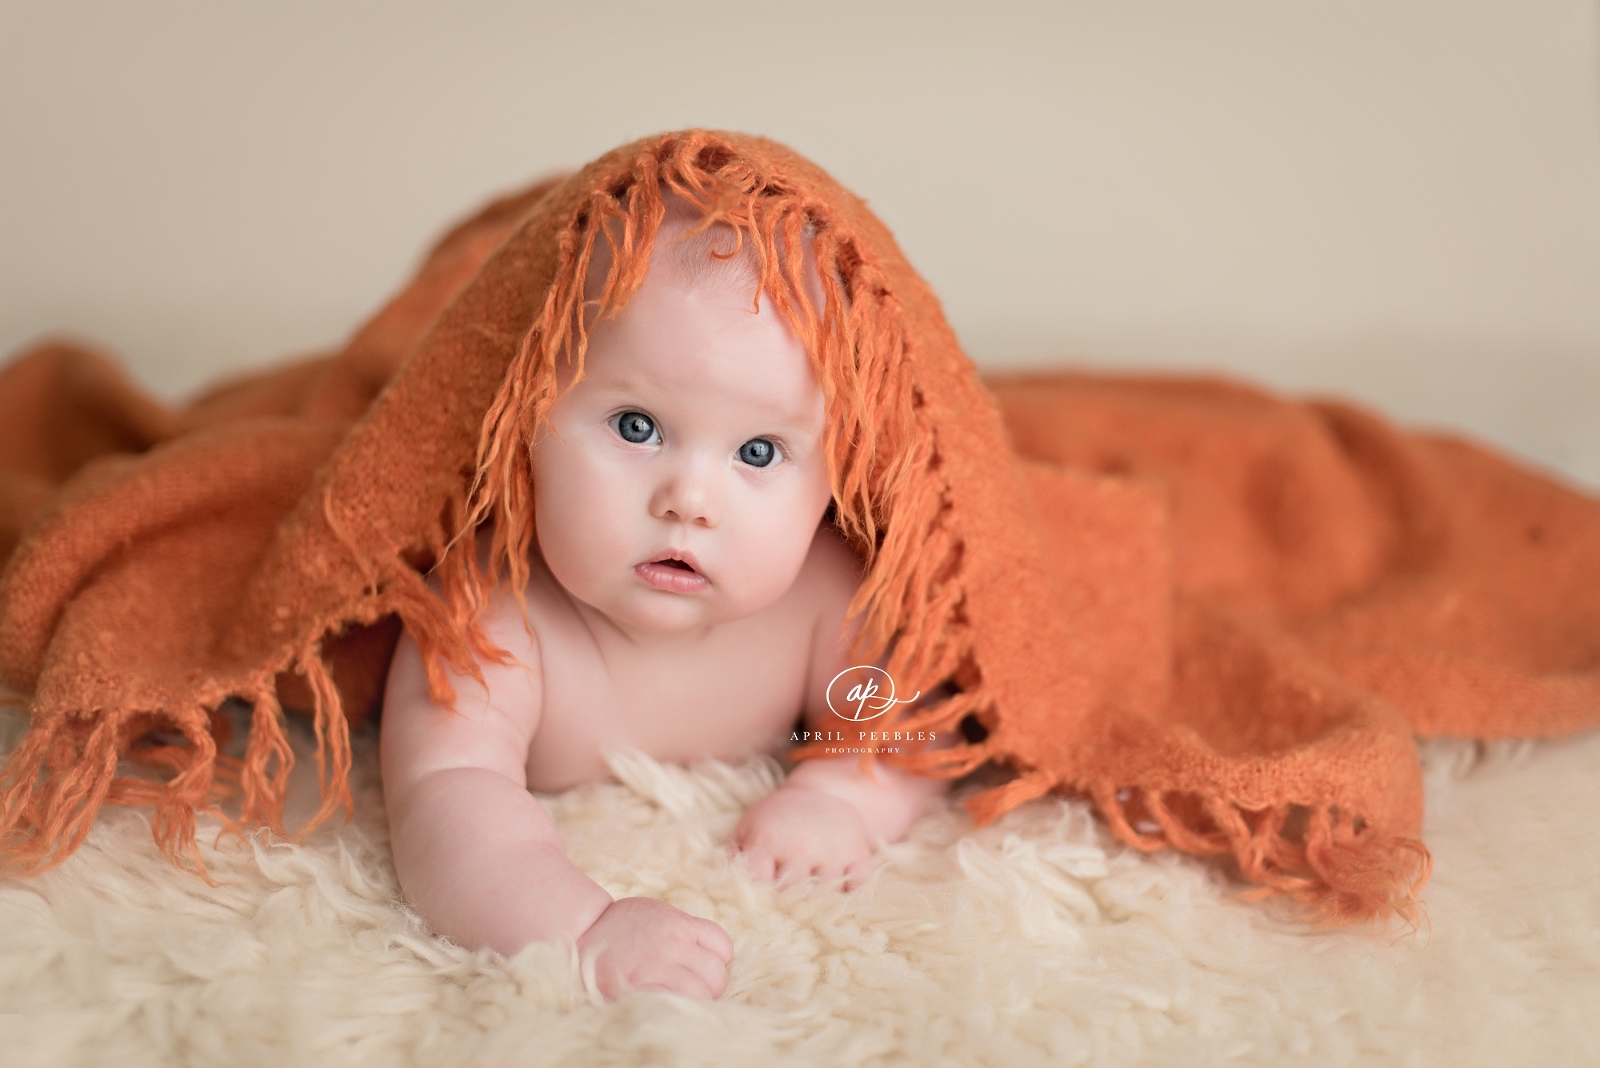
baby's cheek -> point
(582, 531)
(769, 552)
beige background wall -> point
(1395, 199)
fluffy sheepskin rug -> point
(1035, 941)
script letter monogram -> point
(864, 699)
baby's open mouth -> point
(672, 572)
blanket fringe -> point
(1344, 871)
(1329, 861)
(332, 733)
(42, 822)
(65, 769)
(268, 760)
(989, 805)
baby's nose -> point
(687, 496)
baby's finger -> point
(711, 935)
(857, 872)
(794, 869)
(761, 864)
(711, 969)
(680, 979)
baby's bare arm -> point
(475, 851)
(481, 859)
(830, 813)
(888, 799)
(829, 816)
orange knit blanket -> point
(1219, 615)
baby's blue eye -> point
(637, 428)
(757, 452)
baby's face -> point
(681, 481)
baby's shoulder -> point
(510, 618)
(542, 606)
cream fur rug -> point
(1035, 941)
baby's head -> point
(680, 479)
(657, 403)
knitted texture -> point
(1219, 615)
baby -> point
(687, 599)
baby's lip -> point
(683, 556)
(673, 571)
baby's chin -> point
(663, 614)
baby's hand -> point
(644, 944)
(797, 832)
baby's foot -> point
(796, 832)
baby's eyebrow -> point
(612, 380)
(786, 422)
